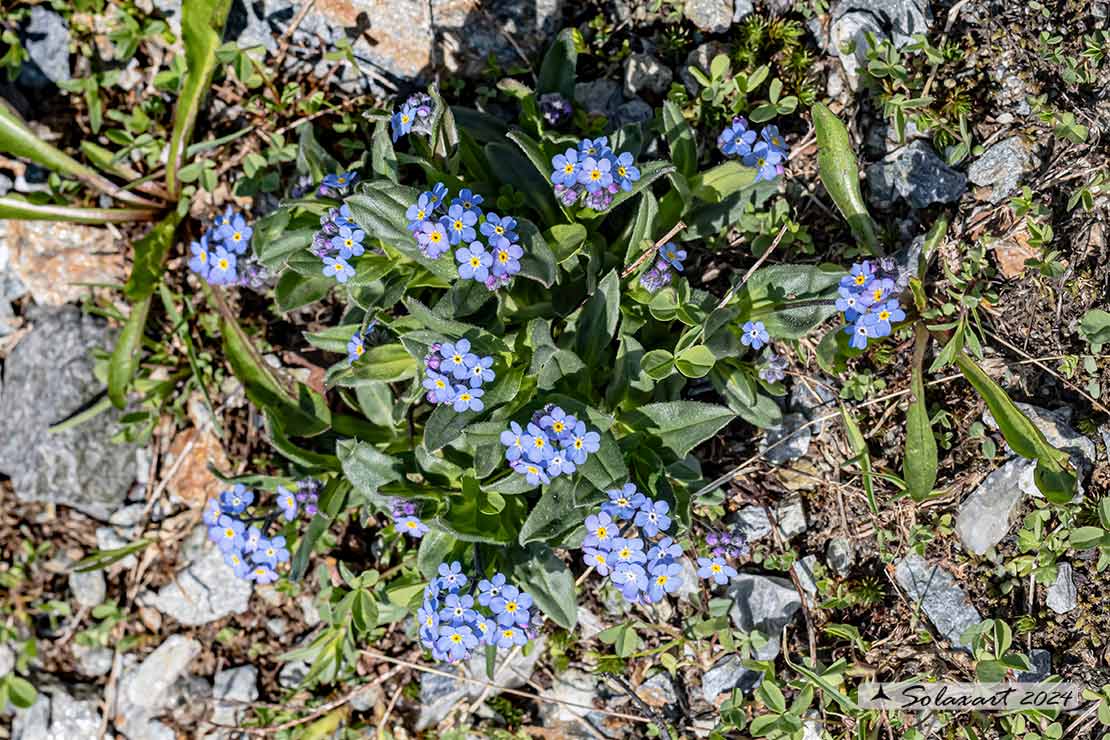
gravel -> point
(917, 175)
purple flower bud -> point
(310, 509)
(726, 540)
(717, 552)
(554, 108)
(711, 539)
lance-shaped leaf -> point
(1053, 474)
(789, 299)
(127, 352)
(920, 463)
(683, 425)
(202, 23)
(19, 141)
(836, 164)
(680, 137)
(560, 65)
(548, 581)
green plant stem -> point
(20, 209)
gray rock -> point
(48, 377)
(367, 699)
(896, 20)
(814, 400)
(916, 174)
(840, 554)
(643, 72)
(659, 690)
(711, 16)
(292, 673)
(206, 590)
(942, 600)
(89, 589)
(233, 685)
(128, 516)
(985, 516)
(742, 9)
(786, 441)
(700, 57)
(7, 659)
(600, 97)
(277, 626)
(1001, 167)
(46, 40)
(93, 661)
(109, 539)
(754, 524)
(803, 569)
(634, 111)
(727, 674)
(310, 614)
(1061, 597)
(58, 715)
(690, 586)
(575, 687)
(1042, 666)
(438, 694)
(148, 689)
(762, 603)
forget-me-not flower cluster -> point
(415, 114)
(627, 542)
(248, 548)
(337, 184)
(669, 258)
(868, 297)
(754, 334)
(486, 245)
(553, 443)
(338, 240)
(220, 255)
(765, 152)
(454, 375)
(592, 173)
(454, 621)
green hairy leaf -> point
(836, 164)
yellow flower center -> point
(464, 396)
(884, 315)
(475, 262)
(595, 175)
(622, 171)
(510, 607)
(404, 118)
(348, 243)
(602, 533)
(599, 558)
(877, 293)
(435, 237)
(203, 256)
(715, 568)
(502, 256)
(622, 501)
(538, 441)
(359, 349)
(568, 168)
(456, 638)
(499, 230)
(661, 580)
(625, 554)
(861, 279)
(223, 264)
(456, 358)
(507, 633)
(558, 427)
(577, 443)
(420, 213)
(229, 533)
(236, 236)
(342, 180)
(458, 225)
(440, 384)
